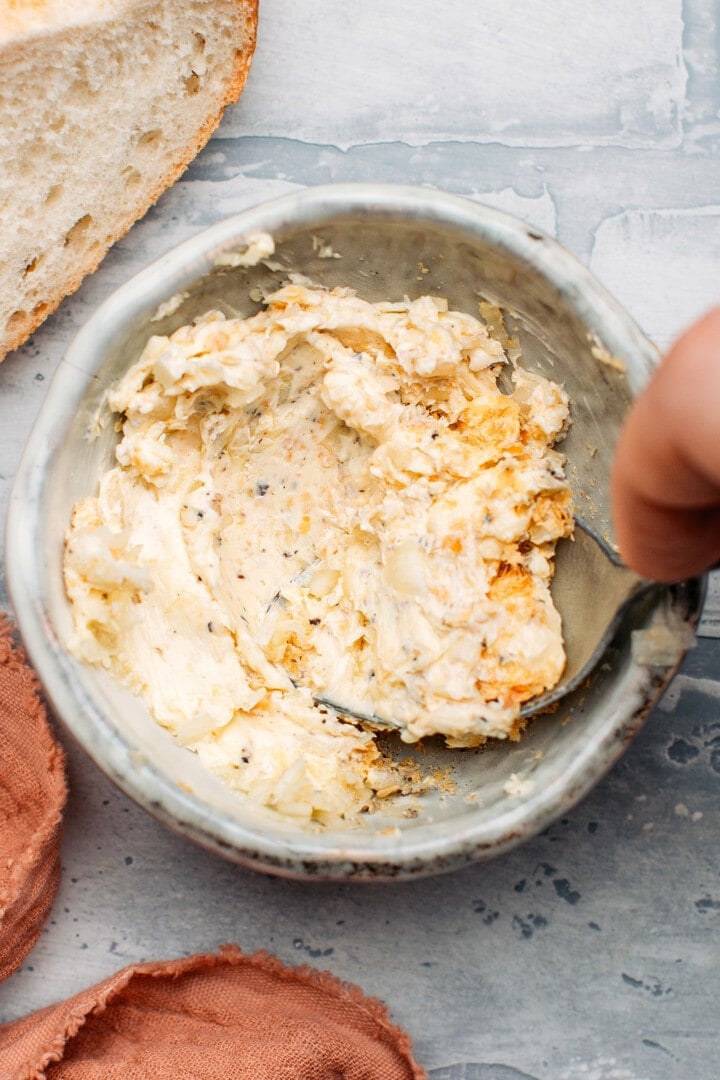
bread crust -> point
(231, 92)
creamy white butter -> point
(331, 499)
(258, 246)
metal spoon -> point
(592, 590)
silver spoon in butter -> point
(591, 589)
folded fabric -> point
(32, 796)
(211, 1017)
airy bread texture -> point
(102, 105)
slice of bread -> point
(102, 105)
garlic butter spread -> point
(329, 501)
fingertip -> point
(666, 544)
(665, 482)
(699, 343)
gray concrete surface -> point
(591, 953)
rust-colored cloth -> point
(211, 1017)
(32, 796)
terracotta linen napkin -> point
(221, 1016)
(32, 796)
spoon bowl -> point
(592, 590)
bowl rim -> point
(428, 848)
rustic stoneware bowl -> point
(392, 242)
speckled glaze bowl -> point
(391, 242)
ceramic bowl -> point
(392, 242)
